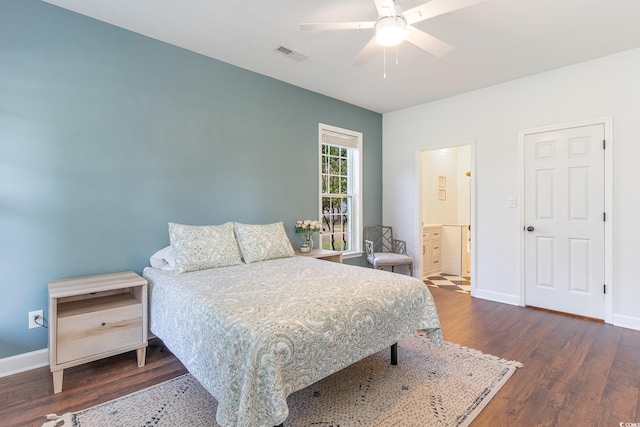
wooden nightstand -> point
(95, 317)
(335, 256)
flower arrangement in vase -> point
(308, 227)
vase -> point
(305, 249)
(308, 244)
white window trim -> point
(356, 249)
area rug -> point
(430, 386)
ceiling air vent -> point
(290, 53)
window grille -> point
(340, 159)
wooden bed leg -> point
(394, 354)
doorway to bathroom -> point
(445, 217)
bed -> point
(253, 333)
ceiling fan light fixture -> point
(391, 31)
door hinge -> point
(604, 289)
(604, 144)
(604, 216)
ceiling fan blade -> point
(366, 53)
(428, 43)
(337, 26)
(385, 7)
(435, 8)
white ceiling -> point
(495, 41)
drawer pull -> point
(435, 262)
(436, 247)
(103, 323)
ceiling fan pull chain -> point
(384, 63)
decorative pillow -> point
(163, 259)
(263, 242)
(200, 247)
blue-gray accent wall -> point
(107, 135)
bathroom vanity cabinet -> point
(431, 250)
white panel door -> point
(564, 225)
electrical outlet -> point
(32, 319)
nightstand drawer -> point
(86, 334)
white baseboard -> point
(24, 362)
(496, 296)
(624, 321)
(621, 320)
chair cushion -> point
(388, 259)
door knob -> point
(530, 228)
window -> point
(340, 177)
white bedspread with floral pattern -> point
(254, 333)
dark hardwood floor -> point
(577, 372)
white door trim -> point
(608, 202)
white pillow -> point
(163, 259)
(201, 247)
(263, 242)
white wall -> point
(437, 163)
(492, 117)
(451, 163)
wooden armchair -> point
(383, 250)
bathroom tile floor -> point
(450, 282)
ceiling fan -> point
(395, 26)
